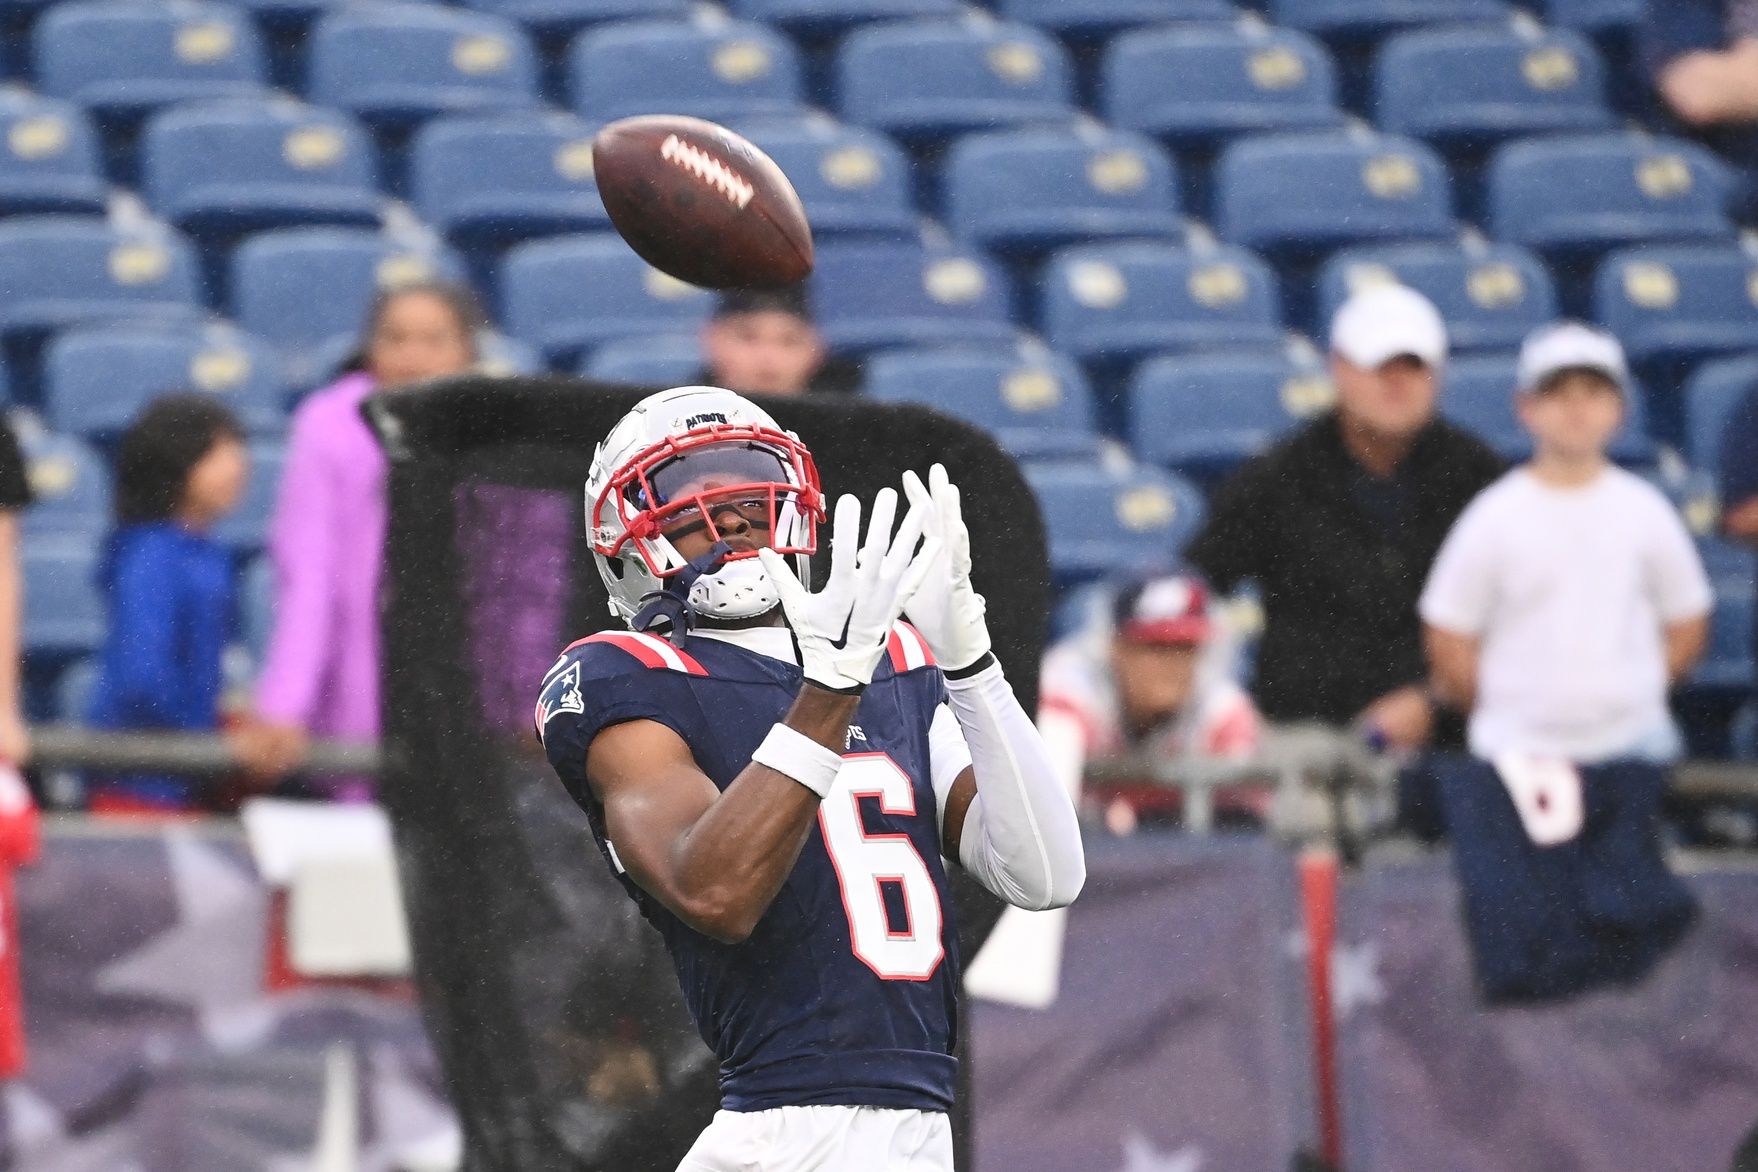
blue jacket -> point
(171, 601)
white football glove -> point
(947, 610)
(842, 628)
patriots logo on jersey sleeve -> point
(560, 694)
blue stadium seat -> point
(570, 293)
(497, 178)
(1592, 192)
(246, 529)
(1205, 413)
(817, 17)
(1693, 494)
(551, 17)
(1711, 394)
(663, 360)
(98, 378)
(930, 79)
(70, 484)
(1229, 81)
(1113, 303)
(394, 64)
(1036, 407)
(1474, 86)
(58, 271)
(1727, 661)
(1351, 18)
(868, 295)
(63, 609)
(1680, 302)
(851, 181)
(706, 69)
(1351, 189)
(1722, 559)
(308, 290)
(1478, 395)
(50, 159)
(1037, 189)
(121, 59)
(1089, 17)
(502, 357)
(1597, 15)
(1104, 523)
(1490, 297)
(226, 166)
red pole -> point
(1318, 892)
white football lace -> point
(708, 169)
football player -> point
(777, 782)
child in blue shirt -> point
(180, 468)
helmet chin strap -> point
(671, 604)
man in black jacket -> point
(1339, 524)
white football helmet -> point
(678, 453)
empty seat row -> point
(306, 290)
(226, 166)
(393, 63)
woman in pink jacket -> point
(320, 676)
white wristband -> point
(791, 752)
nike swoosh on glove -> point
(842, 629)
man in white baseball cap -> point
(1339, 523)
(1388, 348)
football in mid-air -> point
(699, 202)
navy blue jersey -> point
(846, 991)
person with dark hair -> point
(169, 586)
(764, 342)
(1339, 523)
(320, 672)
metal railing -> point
(1321, 778)
(68, 746)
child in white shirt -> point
(1568, 596)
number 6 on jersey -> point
(865, 863)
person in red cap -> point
(1152, 675)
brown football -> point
(697, 201)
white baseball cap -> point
(1388, 321)
(1570, 345)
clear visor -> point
(703, 471)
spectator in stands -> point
(170, 588)
(15, 495)
(320, 674)
(1339, 523)
(1702, 58)
(1150, 675)
(764, 342)
(1569, 595)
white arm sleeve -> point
(1021, 839)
